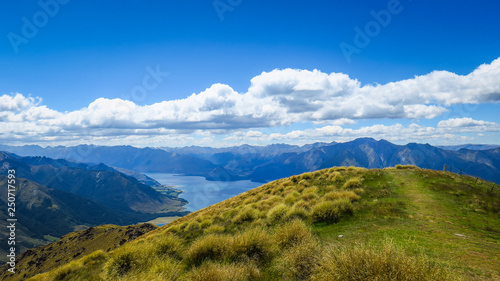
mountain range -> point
(266, 163)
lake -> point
(201, 193)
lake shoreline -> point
(200, 192)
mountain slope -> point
(98, 183)
(335, 224)
(44, 212)
(369, 153)
(76, 244)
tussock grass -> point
(401, 167)
(193, 226)
(385, 262)
(246, 215)
(331, 211)
(254, 244)
(277, 213)
(299, 261)
(225, 272)
(297, 212)
(292, 197)
(352, 183)
(215, 229)
(351, 195)
(292, 233)
(169, 245)
(211, 247)
(94, 258)
(121, 264)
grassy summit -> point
(401, 223)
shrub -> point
(276, 213)
(352, 183)
(292, 233)
(211, 247)
(367, 262)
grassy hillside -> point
(71, 246)
(400, 223)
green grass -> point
(401, 223)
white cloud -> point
(275, 99)
(465, 122)
(16, 103)
(395, 132)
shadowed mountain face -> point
(42, 212)
(369, 153)
(98, 183)
(265, 163)
(55, 197)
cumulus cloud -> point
(395, 132)
(465, 122)
(17, 102)
(276, 98)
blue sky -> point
(100, 53)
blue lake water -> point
(201, 193)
